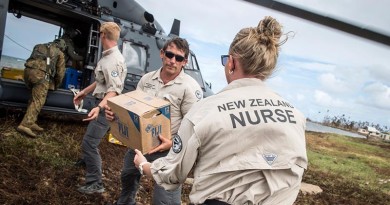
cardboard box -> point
(140, 119)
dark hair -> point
(180, 43)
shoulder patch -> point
(177, 144)
(198, 94)
(114, 73)
(270, 158)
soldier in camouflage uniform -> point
(70, 53)
(44, 70)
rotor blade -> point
(324, 20)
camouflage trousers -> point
(36, 102)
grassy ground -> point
(349, 170)
(41, 171)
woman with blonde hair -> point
(246, 144)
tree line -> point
(345, 123)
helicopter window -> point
(21, 36)
(190, 64)
(135, 56)
(192, 69)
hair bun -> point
(269, 30)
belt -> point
(214, 202)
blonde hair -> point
(111, 30)
(257, 48)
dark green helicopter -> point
(140, 40)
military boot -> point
(26, 131)
(36, 127)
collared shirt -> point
(229, 138)
(182, 93)
(110, 73)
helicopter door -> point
(3, 18)
(93, 47)
(93, 54)
(192, 69)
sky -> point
(321, 71)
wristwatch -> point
(140, 168)
(100, 108)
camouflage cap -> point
(60, 44)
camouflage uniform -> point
(71, 56)
(70, 52)
(44, 70)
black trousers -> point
(214, 202)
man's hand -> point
(110, 116)
(93, 114)
(166, 144)
(78, 97)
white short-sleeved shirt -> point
(182, 93)
(229, 138)
(110, 73)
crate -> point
(12, 73)
(72, 79)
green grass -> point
(351, 160)
(55, 148)
(43, 150)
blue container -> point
(72, 78)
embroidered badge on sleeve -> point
(198, 94)
(177, 144)
(114, 73)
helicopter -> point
(141, 39)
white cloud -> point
(300, 97)
(377, 95)
(380, 73)
(312, 66)
(324, 99)
(333, 84)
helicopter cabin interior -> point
(85, 45)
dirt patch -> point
(41, 171)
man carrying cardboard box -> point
(182, 91)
